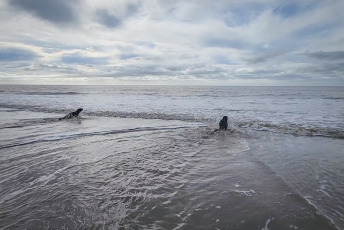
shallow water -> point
(304, 110)
(105, 172)
(152, 174)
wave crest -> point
(294, 129)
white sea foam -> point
(250, 192)
(322, 189)
(267, 223)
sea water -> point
(149, 157)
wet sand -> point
(117, 173)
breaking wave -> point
(52, 93)
(294, 129)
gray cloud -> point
(60, 12)
(113, 18)
(325, 69)
(132, 9)
(226, 43)
(16, 54)
(179, 39)
(265, 56)
(151, 70)
(279, 77)
(332, 56)
(107, 19)
(43, 68)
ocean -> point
(150, 157)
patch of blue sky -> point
(294, 8)
(287, 10)
(15, 54)
(128, 56)
(327, 28)
(84, 60)
(222, 60)
(146, 44)
(242, 14)
(227, 43)
(15, 66)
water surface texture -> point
(147, 157)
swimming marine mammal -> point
(224, 123)
(72, 114)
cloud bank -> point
(227, 42)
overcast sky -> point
(208, 42)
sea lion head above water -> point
(72, 114)
(78, 111)
(223, 125)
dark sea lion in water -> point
(72, 114)
(224, 123)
